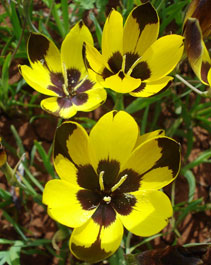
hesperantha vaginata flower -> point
(63, 76)
(133, 60)
(110, 179)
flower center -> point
(107, 198)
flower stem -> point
(201, 93)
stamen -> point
(107, 199)
(101, 180)
(123, 63)
(80, 83)
(133, 66)
(116, 186)
(65, 85)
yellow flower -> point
(108, 180)
(133, 60)
(62, 76)
(201, 10)
(197, 53)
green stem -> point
(119, 104)
(201, 93)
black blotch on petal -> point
(86, 85)
(91, 254)
(106, 73)
(57, 79)
(145, 14)
(87, 178)
(80, 24)
(115, 62)
(104, 215)
(80, 99)
(141, 70)
(111, 171)
(38, 46)
(73, 76)
(205, 67)
(131, 183)
(193, 39)
(57, 90)
(121, 75)
(88, 199)
(62, 135)
(130, 60)
(123, 203)
(140, 88)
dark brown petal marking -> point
(60, 140)
(38, 46)
(115, 62)
(121, 75)
(64, 103)
(123, 203)
(58, 80)
(141, 70)
(130, 60)
(86, 85)
(87, 178)
(104, 215)
(205, 67)
(170, 156)
(145, 14)
(80, 24)
(140, 88)
(111, 171)
(88, 199)
(106, 73)
(57, 90)
(91, 254)
(73, 77)
(193, 39)
(132, 182)
(80, 99)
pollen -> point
(107, 199)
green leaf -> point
(191, 184)
(14, 252)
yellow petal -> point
(141, 29)
(157, 162)
(121, 83)
(61, 107)
(150, 135)
(112, 37)
(71, 50)
(150, 213)
(162, 57)
(43, 53)
(63, 205)
(151, 88)
(109, 138)
(93, 242)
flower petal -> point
(95, 97)
(162, 56)
(61, 107)
(157, 161)
(71, 50)
(93, 242)
(112, 37)
(150, 135)
(150, 213)
(63, 205)
(43, 53)
(109, 137)
(71, 141)
(151, 88)
(43, 84)
(121, 83)
(141, 29)
(197, 52)
(209, 77)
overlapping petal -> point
(150, 213)
(110, 140)
(93, 242)
(157, 161)
(141, 29)
(147, 136)
(63, 205)
(112, 37)
(197, 52)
